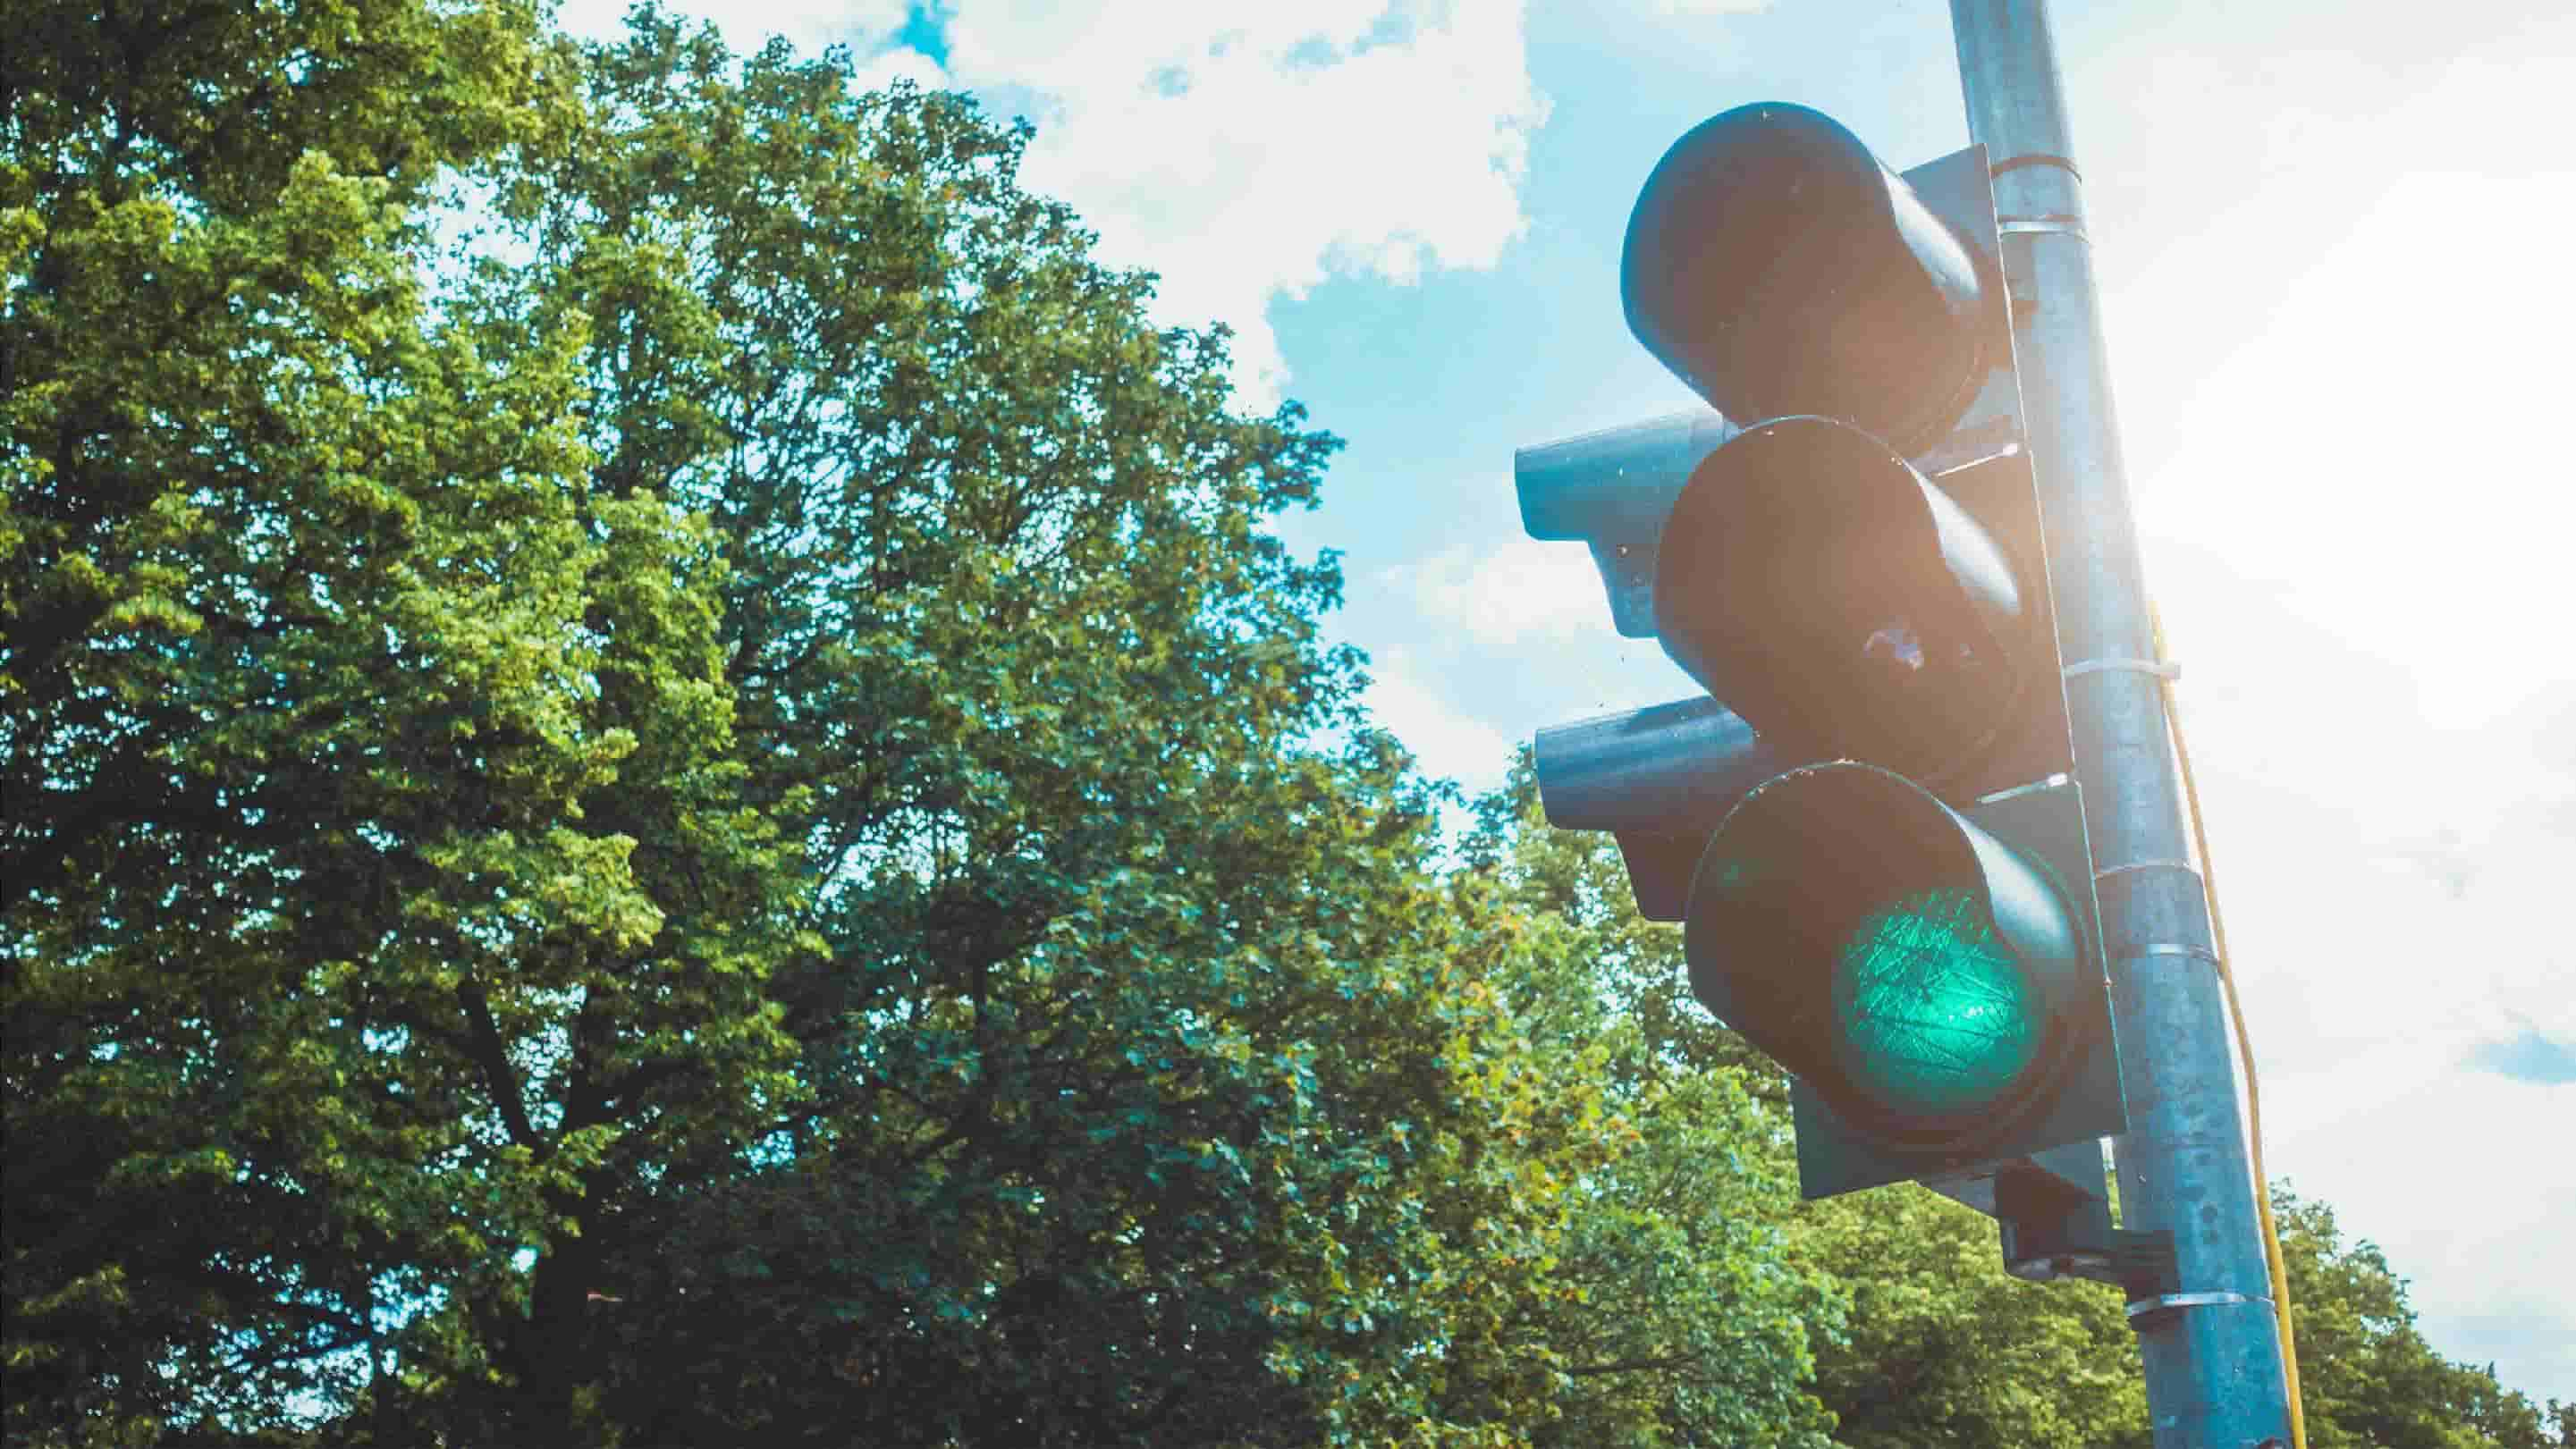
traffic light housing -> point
(1832, 596)
(1866, 825)
(1778, 267)
(1930, 977)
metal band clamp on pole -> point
(2034, 158)
(2160, 668)
(2168, 948)
(2044, 226)
(2163, 1302)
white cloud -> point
(1443, 740)
(1247, 150)
(1521, 591)
(2359, 368)
(747, 24)
(884, 68)
(2453, 1175)
(1243, 150)
(2394, 878)
(2357, 528)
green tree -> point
(713, 816)
(1689, 1323)
(1153, 1087)
(1944, 1347)
(317, 970)
(2368, 1378)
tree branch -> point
(493, 1056)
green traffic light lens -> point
(1935, 1015)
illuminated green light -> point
(1934, 1013)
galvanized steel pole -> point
(2213, 1355)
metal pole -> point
(2213, 1355)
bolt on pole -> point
(2212, 1349)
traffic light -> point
(1866, 825)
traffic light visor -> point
(1778, 267)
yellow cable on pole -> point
(2244, 1046)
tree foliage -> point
(2367, 1376)
(295, 739)
(710, 812)
(1921, 1337)
(1693, 1325)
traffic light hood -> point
(1779, 267)
(1612, 489)
(1659, 779)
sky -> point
(2333, 241)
